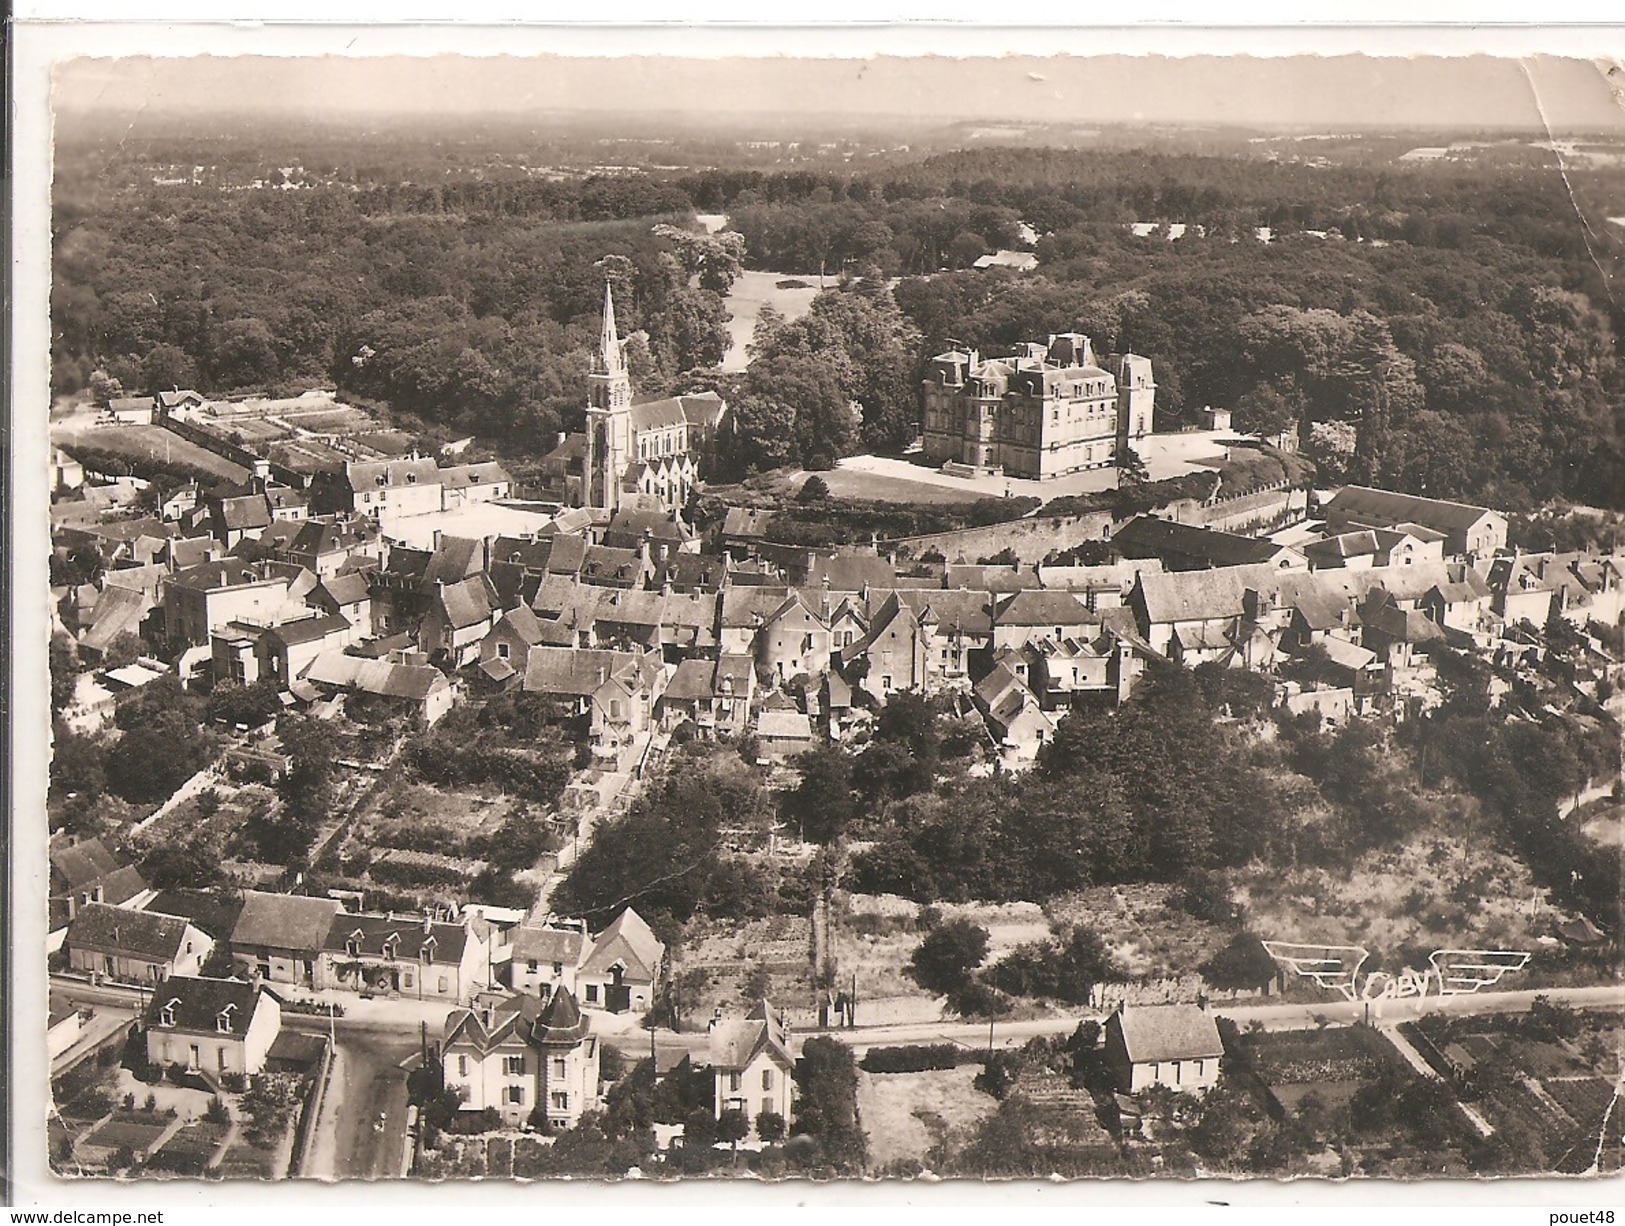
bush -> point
(216, 1112)
(915, 1058)
(770, 1126)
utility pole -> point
(990, 1037)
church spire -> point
(610, 354)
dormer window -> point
(426, 950)
(352, 944)
(166, 1016)
(411, 478)
(222, 1020)
(390, 942)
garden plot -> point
(729, 965)
(1330, 1064)
(906, 1114)
(417, 817)
(214, 819)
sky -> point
(1337, 93)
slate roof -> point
(414, 681)
(560, 1023)
(783, 726)
(283, 921)
(81, 864)
(546, 944)
(315, 537)
(233, 572)
(141, 934)
(743, 607)
(524, 625)
(1348, 655)
(1203, 595)
(985, 578)
(390, 474)
(1385, 508)
(851, 572)
(748, 523)
(612, 567)
(733, 1045)
(1168, 1032)
(376, 930)
(351, 587)
(242, 514)
(468, 602)
(1157, 537)
(969, 612)
(309, 629)
(580, 672)
(198, 1003)
(691, 681)
(453, 560)
(1043, 608)
(508, 1016)
(628, 525)
(118, 610)
(464, 476)
(630, 941)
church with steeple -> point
(638, 447)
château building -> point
(651, 447)
(1042, 412)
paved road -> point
(368, 1083)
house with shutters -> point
(547, 956)
(623, 966)
(279, 938)
(418, 957)
(1176, 1046)
(349, 595)
(378, 489)
(1015, 719)
(615, 690)
(792, 640)
(466, 483)
(134, 946)
(752, 1069)
(528, 1058)
(1029, 616)
(212, 1026)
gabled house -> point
(1177, 1046)
(1028, 616)
(743, 529)
(547, 956)
(782, 733)
(891, 656)
(87, 872)
(791, 640)
(486, 1053)
(212, 1026)
(279, 938)
(751, 1065)
(506, 647)
(1015, 718)
(624, 966)
(331, 544)
(569, 1061)
(459, 616)
(233, 519)
(608, 567)
(1471, 532)
(204, 599)
(284, 652)
(714, 694)
(134, 946)
(412, 956)
(349, 595)
(615, 690)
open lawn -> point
(905, 1114)
(149, 443)
(749, 294)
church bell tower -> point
(609, 416)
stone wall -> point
(1031, 540)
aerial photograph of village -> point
(762, 620)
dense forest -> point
(1445, 329)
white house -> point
(212, 1025)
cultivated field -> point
(148, 443)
